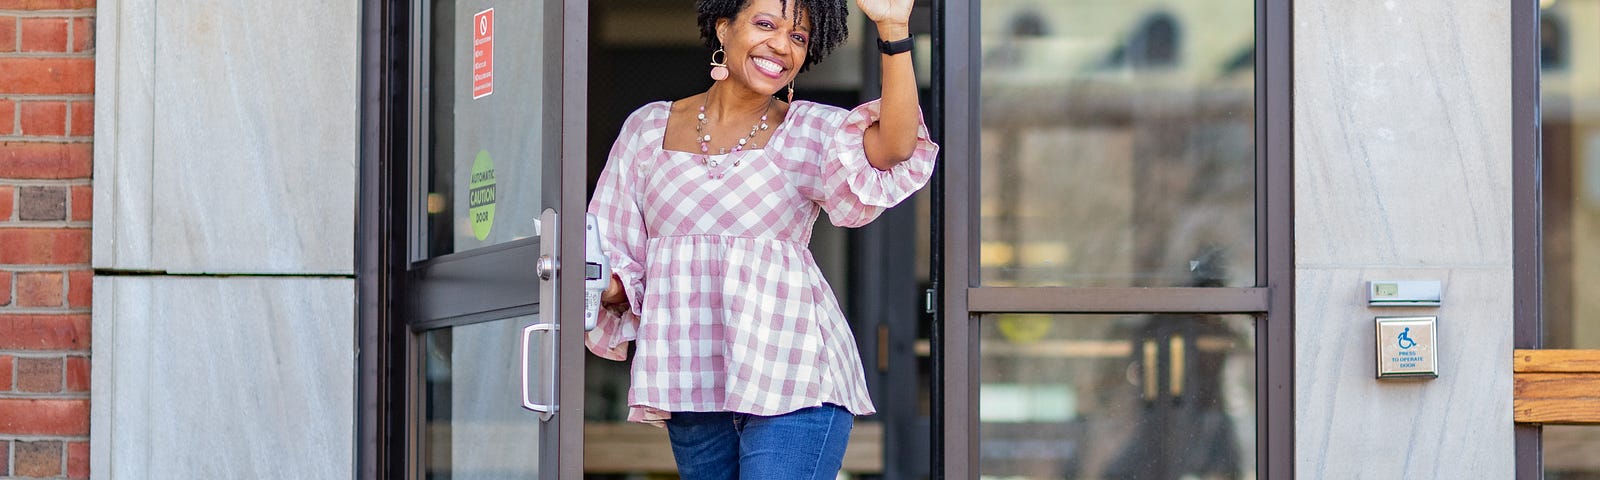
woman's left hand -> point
(886, 11)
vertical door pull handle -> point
(1151, 356)
(547, 379)
(1175, 384)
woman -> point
(706, 205)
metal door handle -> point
(545, 267)
(545, 410)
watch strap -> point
(896, 47)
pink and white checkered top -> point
(726, 303)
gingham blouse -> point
(726, 303)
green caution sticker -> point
(481, 195)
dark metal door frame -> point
(568, 431)
(962, 298)
(1527, 263)
(384, 60)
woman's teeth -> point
(768, 66)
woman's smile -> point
(769, 67)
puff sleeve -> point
(851, 190)
(617, 208)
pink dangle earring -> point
(791, 92)
(719, 70)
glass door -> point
(495, 176)
(1113, 234)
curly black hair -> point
(828, 23)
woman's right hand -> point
(892, 12)
(614, 293)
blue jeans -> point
(804, 444)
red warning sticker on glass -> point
(483, 54)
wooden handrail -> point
(1556, 361)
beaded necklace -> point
(705, 138)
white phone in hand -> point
(596, 271)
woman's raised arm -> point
(894, 137)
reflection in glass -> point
(484, 155)
(1569, 85)
(473, 422)
(1569, 452)
(1570, 106)
(1128, 397)
(1117, 143)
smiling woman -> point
(825, 23)
(706, 205)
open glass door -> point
(495, 175)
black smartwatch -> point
(896, 47)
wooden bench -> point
(1556, 386)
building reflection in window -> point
(1131, 397)
(1569, 83)
(1118, 144)
(1118, 150)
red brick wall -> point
(46, 128)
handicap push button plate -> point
(1407, 347)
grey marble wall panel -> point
(1402, 171)
(1350, 425)
(199, 377)
(248, 159)
(124, 73)
(1402, 133)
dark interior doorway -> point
(648, 50)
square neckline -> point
(783, 127)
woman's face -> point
(765, 46)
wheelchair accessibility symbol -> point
(1405, 340)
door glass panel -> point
(1569, 452)
(474, 424)
(1117, 396)
(1569, 85)
(1118, 143)
(1569, 108)
(485, 84)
